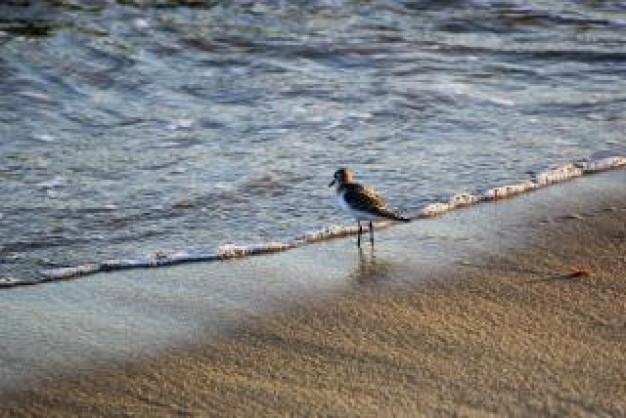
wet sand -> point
(539, 330)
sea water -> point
(145, 130)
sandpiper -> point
(362, 203)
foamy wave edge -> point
(539, 179)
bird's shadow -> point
(370, 269)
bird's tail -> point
(394, 216)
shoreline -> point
(526, 328)
(547, 176)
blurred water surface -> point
(128, 127)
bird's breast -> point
(341, 202)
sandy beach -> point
(535, 331)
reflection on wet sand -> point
(371, 269)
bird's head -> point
(342, 176)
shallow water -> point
(128, 128)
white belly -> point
(356, 214)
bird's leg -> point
(371, 233)
(358, 240)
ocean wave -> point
(539, 178)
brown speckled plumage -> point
(361, 202)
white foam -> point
(9, 281)
(67, 272)
(603, 164)
(557, 174)
(234, 251)
(463, 199)
(435, 209)
(458, 200)
(159, 258)
(510, 190)
(187, 256)
(127, 263)
(333, 231)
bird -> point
(364, 204)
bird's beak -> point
(332, 182)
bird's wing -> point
(361, 198)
